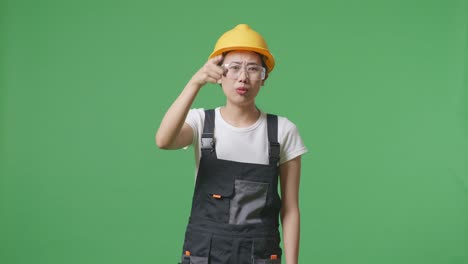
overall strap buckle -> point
(207, 142)
(274, 147)
(274, 152)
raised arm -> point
(173, 132)
(290, 217)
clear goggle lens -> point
(254, 71)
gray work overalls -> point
(235, 207)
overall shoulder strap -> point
(207, 139)
(274, 146)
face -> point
(243, 89)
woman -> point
(240, 151)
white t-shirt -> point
(246, 144)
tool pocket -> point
(215, 203)
(196, 248)
(248, 202)
(267, 251)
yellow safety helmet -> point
(242, 37)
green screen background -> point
(378, 90)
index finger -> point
(216, 60)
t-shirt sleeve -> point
(291, 144)
(195, 119)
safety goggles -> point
(234, 69)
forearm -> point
(175, 116)
(291, 234)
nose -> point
(243, 77)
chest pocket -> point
(215, 200)
(248, 202)
(241, 203)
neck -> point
(240, 116)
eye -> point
(253, 68)
(234, 67)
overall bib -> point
(235, 207)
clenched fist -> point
(211, 72)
